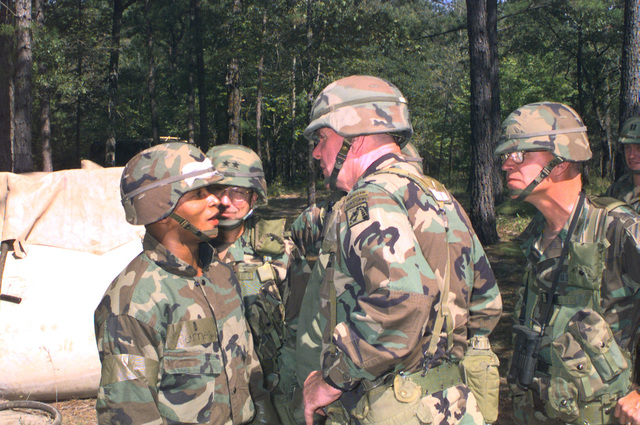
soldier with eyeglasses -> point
(260, 254)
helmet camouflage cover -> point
(360, 105)
(630, 133)
(548, 126)
(154, 180)
(240, 166)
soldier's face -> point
(329, 144)
(200, 208)
(235, 202)
(520, 175)
(632, 156)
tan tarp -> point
(71, 209)
(72, 240)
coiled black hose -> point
(27, 404)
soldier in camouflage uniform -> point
(577, 317)
(313, 232)
(391, 339)
(173, 342)
(627, 188)
(259, 253)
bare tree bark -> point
(233, 87)
(630, 82)
(260, 84)
(6, 90)
(203, 140)
(45, 101)
(79, 99)
(23, 159)
(482, 212)
(114, 60)
(311, 162)
(492, 30)
(151, 75)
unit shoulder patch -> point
(357, 208)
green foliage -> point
(557, 50)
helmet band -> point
(168, 180)
(543, 133)
(394, 99)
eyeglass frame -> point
(519, 154)
(234, 193)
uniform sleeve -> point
(485, 307)
(306, 231)
(129, 351)
(383, 310)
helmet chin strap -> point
(522, 194)
(234, 223)
(204, 236)
(340, 158)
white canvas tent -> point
(69, 239)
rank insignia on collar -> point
(357, 208)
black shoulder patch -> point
(357, 208)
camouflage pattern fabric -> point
(264, 303)
(154, 180)
(625, 190)
(361, 104)
(240, 166)
(549, 126)
(387, 276)
(585, 354)
(175, 348)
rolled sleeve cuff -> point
(335, 372)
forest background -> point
(101, 80)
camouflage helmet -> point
(154, 180)
(630, 133)
(240, 166)
(359, 105)
(547, 126)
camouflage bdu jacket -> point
(175, 348)
(392, 255)
(314, 234)
(625, 190)
(584, 362)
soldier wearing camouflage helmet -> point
(260, 254)
(627, 187)
(392, 341)
(576, 322)
(172, 339)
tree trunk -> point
(482, 161)
(311, 162)
(630, 81)
(6, 90)
(203, 140)
(233, 86)
(151, 76)
(492, 30)
(114, 61)
(45, 105)
(79, 53)
(23, 159)
(191, 99)
(259, 85)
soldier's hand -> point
(317, 394)
(628, 409)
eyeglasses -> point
(235, 194)
(517, 157)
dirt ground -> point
(508, 266)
